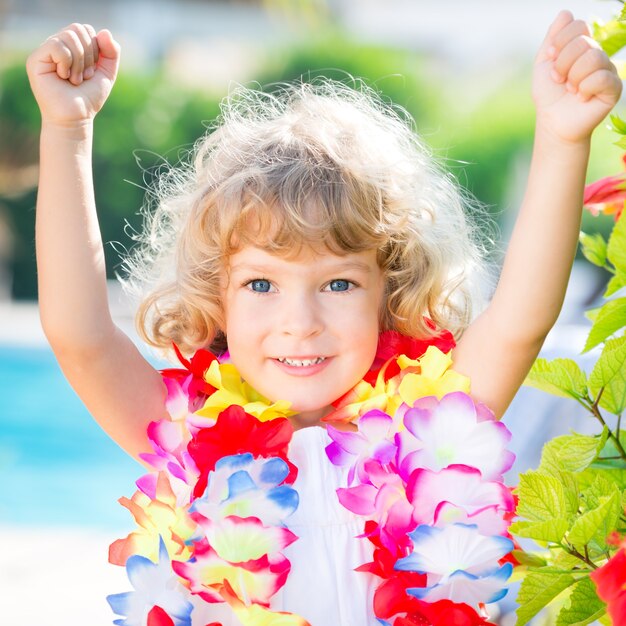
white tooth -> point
(301, 363)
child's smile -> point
(304, 366)
(303, 329)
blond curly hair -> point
(325, 165)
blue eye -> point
(260, 285)
(339, 285)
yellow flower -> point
(232, 390)
(156, 518)
(434, 377)
(256, 615)
(363, 398)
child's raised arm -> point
(575, 85)
(71, 75)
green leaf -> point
(611, 36)
(616, 247)
(609, 464)
(563, 560)
(616, 283)
(594, 248)
(619, 125)
(613, 508)
(560, 377)
(614, 475)
(596, 521)
(571, 491)
(591, 314)
(610, 458)
(538, 589)
(551, 530)
(529, 559)
(541, 497)
(584, 606)
(609, 375)
(600, 487)
(621, 142)
(611, 317)
(570, 453)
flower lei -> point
(425, 472)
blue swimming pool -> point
(58, 468)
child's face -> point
(303, 329)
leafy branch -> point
(593, 408)
(575, 499)
(582, 557)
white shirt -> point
(322, 586)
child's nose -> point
(302, 316)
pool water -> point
(58, 467)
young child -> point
(310, 222)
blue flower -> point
(155, 586)
(461, 564)
(246, 487)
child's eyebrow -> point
(352, 265)
(251, 267)
(338, 267)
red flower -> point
(382, 565)
(390, 597)
(193, 375)
(237, 432)
(412, 620)
(610, 581)
(404, 547)
(606, 195)
(158, 617)
(392, 344)
(443, 613)
(509, 516)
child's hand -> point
(72, 73)
(575, 85)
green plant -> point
(573, 504)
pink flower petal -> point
(148, 484)
(397, 511)
(169, 436)
(351, 442)
(177, 401)
(453, 432)
(384, 452)
(375, 425)
(608, 189)
(359, 499)
(337, 455)
(459, 486)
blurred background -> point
(462, 69)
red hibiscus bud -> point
(606, 195)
